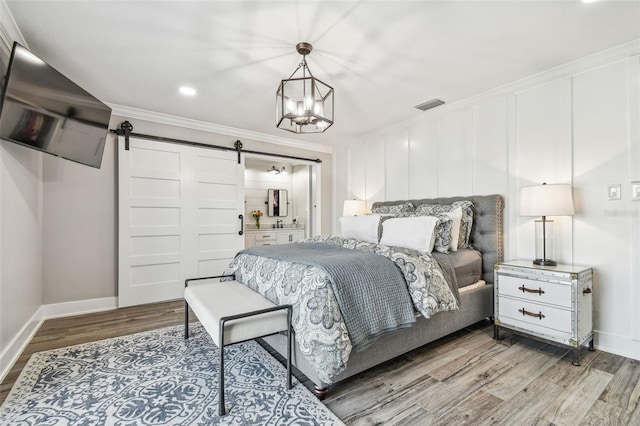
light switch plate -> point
(614, 192)
(635, 191)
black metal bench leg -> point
(186, 320)
(221, 407)
(289, 343)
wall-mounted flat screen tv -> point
(42, 109)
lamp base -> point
(545, 262)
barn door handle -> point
(241, 217)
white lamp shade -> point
(354, 208)
(546, 200)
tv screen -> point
(42, 109)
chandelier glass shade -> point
(304, 104)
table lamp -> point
(546, 200)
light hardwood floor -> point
(465, 378)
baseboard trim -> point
(616, 344)
(79, 307)
(10, 355)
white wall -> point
(578, 124)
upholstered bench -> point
(232, 313)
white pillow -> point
(364, 228)
(416, 232)
(456, 217)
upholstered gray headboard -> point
(486, 233)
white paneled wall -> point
(455, 161)
(602, 234)
(358, 173)
(543, 155)
(396, 165)
(490, 147)
(582, 129)
(374, 171)
(423, 161)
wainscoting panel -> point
(423, 160)
(396, 147)
(358, 171)
(490, 148)
(602, 236)
(455, 154)
(375, 175)
(544, 155)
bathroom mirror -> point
(278, 202)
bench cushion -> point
(212, 301)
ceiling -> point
(381, 57)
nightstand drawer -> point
(535, 291)
(523, 314)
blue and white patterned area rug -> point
(158, 378)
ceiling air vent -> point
(429, 104)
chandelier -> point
(304, 104)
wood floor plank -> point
(603, 414)
(421, 367)
(463, 384)
(620, 390)
(573, 403)
(351, 405)
(525, 406)
(400, 407)
(470, 411)
(530, 366)
(474, 355)
(607, 362)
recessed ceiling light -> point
(589, 1)
(188, 91)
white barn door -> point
(179, 210)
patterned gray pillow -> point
(465, 223)
(397, 209)
(443, 233)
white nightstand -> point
(549, 302)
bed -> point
(330, 348)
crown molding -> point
(155, 117)
(9, 31)
(587, 63)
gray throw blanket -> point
(370, 289)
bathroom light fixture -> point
(304, 104)
(276, 171)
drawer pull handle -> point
(586, 291)
(266, 236)
(523, 311)
(540, 291)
